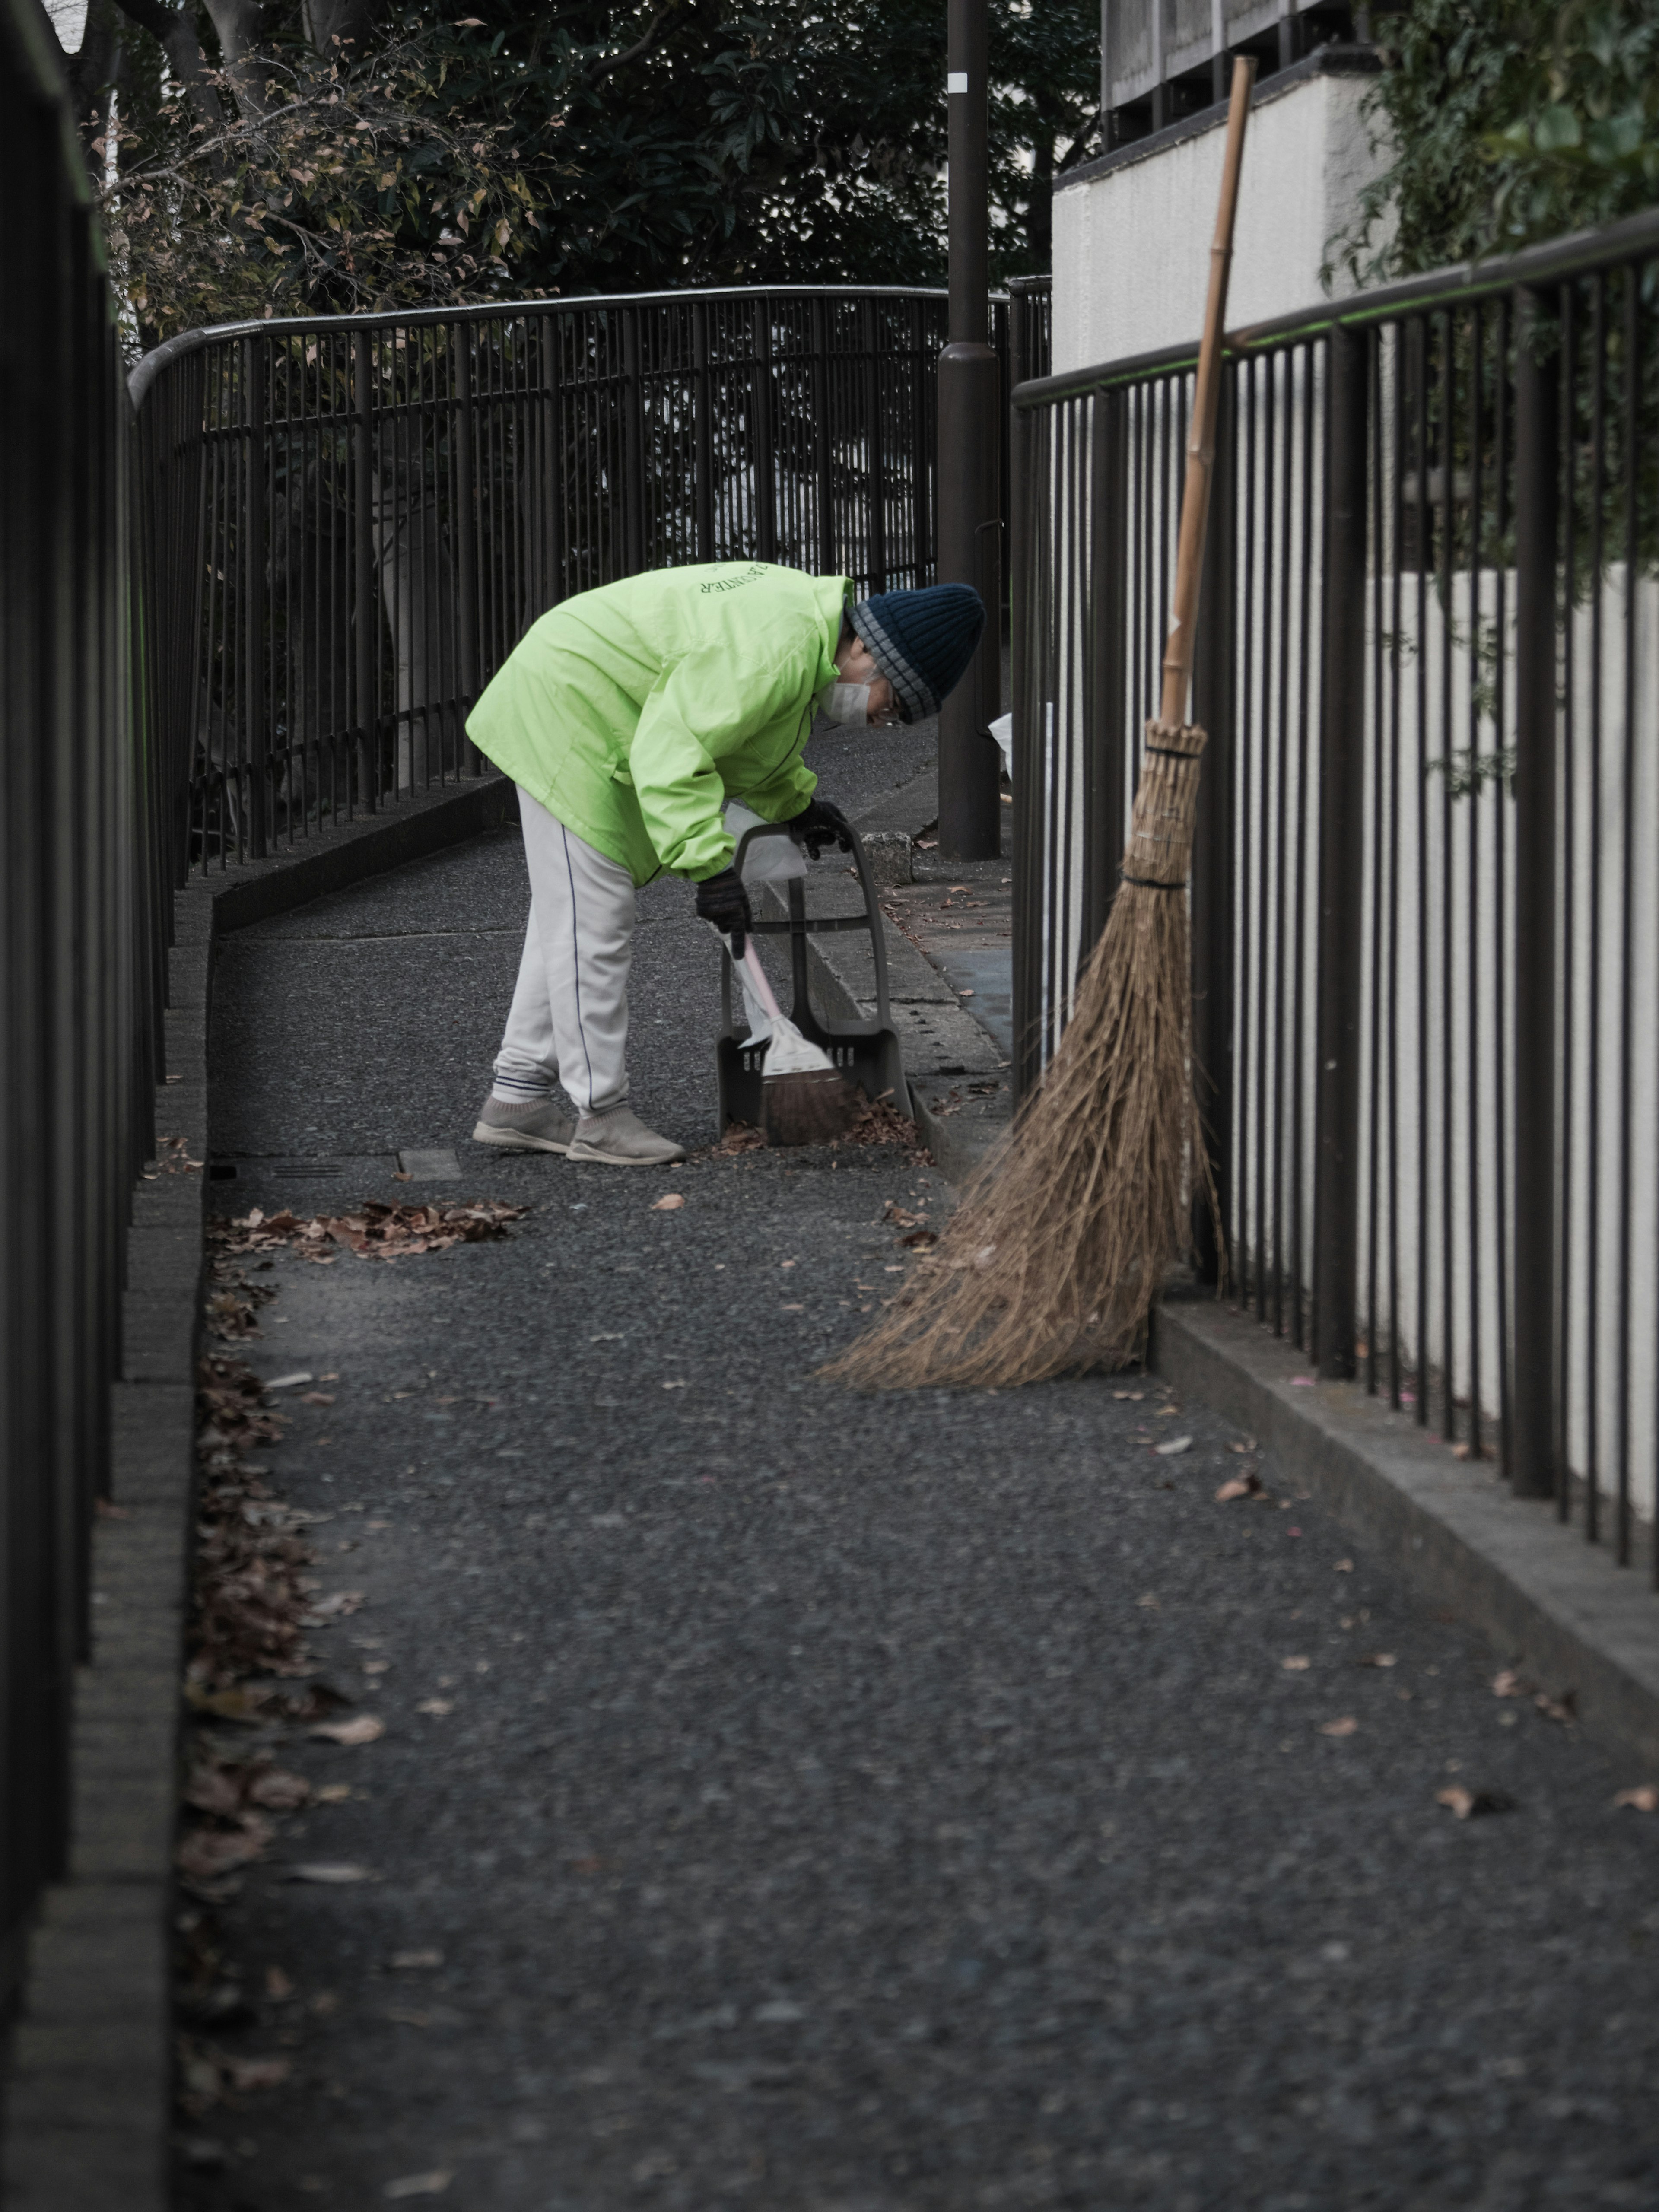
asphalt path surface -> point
(827, 1804)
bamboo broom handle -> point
(1201, 439)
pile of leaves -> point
(252, 1598)
(880, 1122)
(373, 1232)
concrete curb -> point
(1557, 1607)
(88, 2120)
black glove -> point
(722, 900)
(821, 822)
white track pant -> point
(569, 1024)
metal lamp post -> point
(970, 521)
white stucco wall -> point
(1132, 247)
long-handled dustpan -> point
(866, 1051)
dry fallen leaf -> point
(1554, 1709)
(1467, 1804)
(339, 1604)
(1239, 1486)
(438, 1705)
(1134, 1396)
(257, 2073)
(1343, 1567)
(278, 1791)
(412, 1961)
(1171, 1446)
(319, 1398)
(1644, 1799)
(205, 1854)
(1377, 1659)
(670, 1204)
(1507, 1684)
(1248, 1444)
(367, 1728)
(1298, 1665)
(333, 1872)
(419, 2184)
(1346, 1726)
(334, 1793)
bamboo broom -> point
(1063, 1239)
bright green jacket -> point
(633, 713)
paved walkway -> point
(811, 1803)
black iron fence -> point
(1425, 894)
(370, 511)
(82, 937)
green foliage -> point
(613, 145)
(1513, 121)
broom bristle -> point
(809, 1108)
(1063, 1238)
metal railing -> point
(373, 509)
(82, 938)
(1425, 893)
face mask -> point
(847, 703)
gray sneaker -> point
(621, 1139)
(538, 1126)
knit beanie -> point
(922, 641)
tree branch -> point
(598, 70)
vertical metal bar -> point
(1212, 842)
(875, 495)
(702, 416)
(463, 392)
(1341, 856)
(633, 448)
(766, 454)
(823, 436)
(1537, 462)
(366, 626)
(1109, 708)
(1631, 466)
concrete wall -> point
(1131, 233)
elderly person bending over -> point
(628, 717)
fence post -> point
(1212, 842)
(1341, 859)
(254, 565)
(969, 510)
(1025, 502)
(1537, 461)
